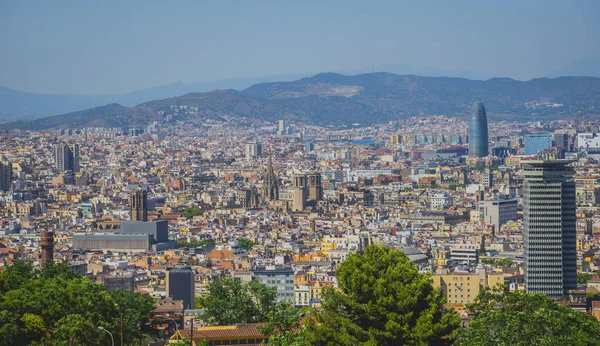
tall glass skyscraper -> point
(549, 228)
(478, 131)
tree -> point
(231, 302)
(198, 243)
(55, 306)
(190, 212)
(245, 243)
(382, 300)
(499, 262)
(136, 309)
(520, 318)
(583, 278)
(283, 326)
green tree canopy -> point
(583, 278)
(520, 318)
(382, 300)
(190, 212)
(54, 306)
(198, 243)
(230, 301)
(245, 243)
(283, 326)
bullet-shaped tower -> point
(478, 131)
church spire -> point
(271, 183)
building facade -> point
(300, 192)
(5, 176)
(549, 228)
(180, 286)
(271, 183)
(138, 202)
(315, 187)
(537, 143)
(497, 211)
(280, 278)
(478, 131)
(588, 141)
(253, 150)
(66, 157)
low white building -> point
(441, 201)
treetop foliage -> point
(382, 300)
(520, 318)
(54, 306)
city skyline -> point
(323, 173)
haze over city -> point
(109, 47)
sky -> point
(91, 47)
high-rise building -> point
(309, 146)
(549, 228)
(536, 143)
(67, 157)
(300, 192)
(5, 176)
(47, 247)
(315, 187)
(281, 126)
(253, 150)
(271, 185)
(181, 286)
(138, 202)
(478, 131)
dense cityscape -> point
(165, 211)
(299, 173)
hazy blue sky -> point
(116, 46)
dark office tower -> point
(5, 176)
(315, 189)
(47, 247)
(67, 157)
(180, 286)
(138, 202)
(271, 187)
(549, 227)
(478, 131)
(74, 157)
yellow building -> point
(395, 139)
(241, 334)
(440, 256)
(461, 289)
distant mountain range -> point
(588, 68)
(334, 99)
(19, 105)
